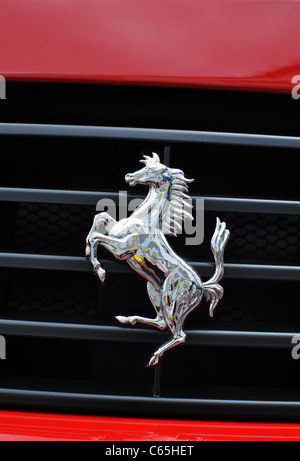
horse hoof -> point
(123, 320)
(154, 361)
(101, 274)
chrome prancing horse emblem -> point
(174, 288)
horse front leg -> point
(122, 249)
(102, 219)
(93, 247)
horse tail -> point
(213, 291)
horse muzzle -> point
(131, 180)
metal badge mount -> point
(175, 289)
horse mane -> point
(179, 207)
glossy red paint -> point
(16, 426)
(248, 44)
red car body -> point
(222, 44)
(206, 44)
(53, 427)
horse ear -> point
(147, 160)
(156, 158)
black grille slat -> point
(83, 198)
(144, 134)
(94, 326)
(77, 264)
(249, 339)
(139, 406)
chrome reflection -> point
(174, 288)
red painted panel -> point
(216, 43)
(17, 426)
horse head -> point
(173, 183)
(153, 174)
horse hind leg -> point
(158, 322)
(181, 308)
(179, 338)
(176, 328)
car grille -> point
(65, 351)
